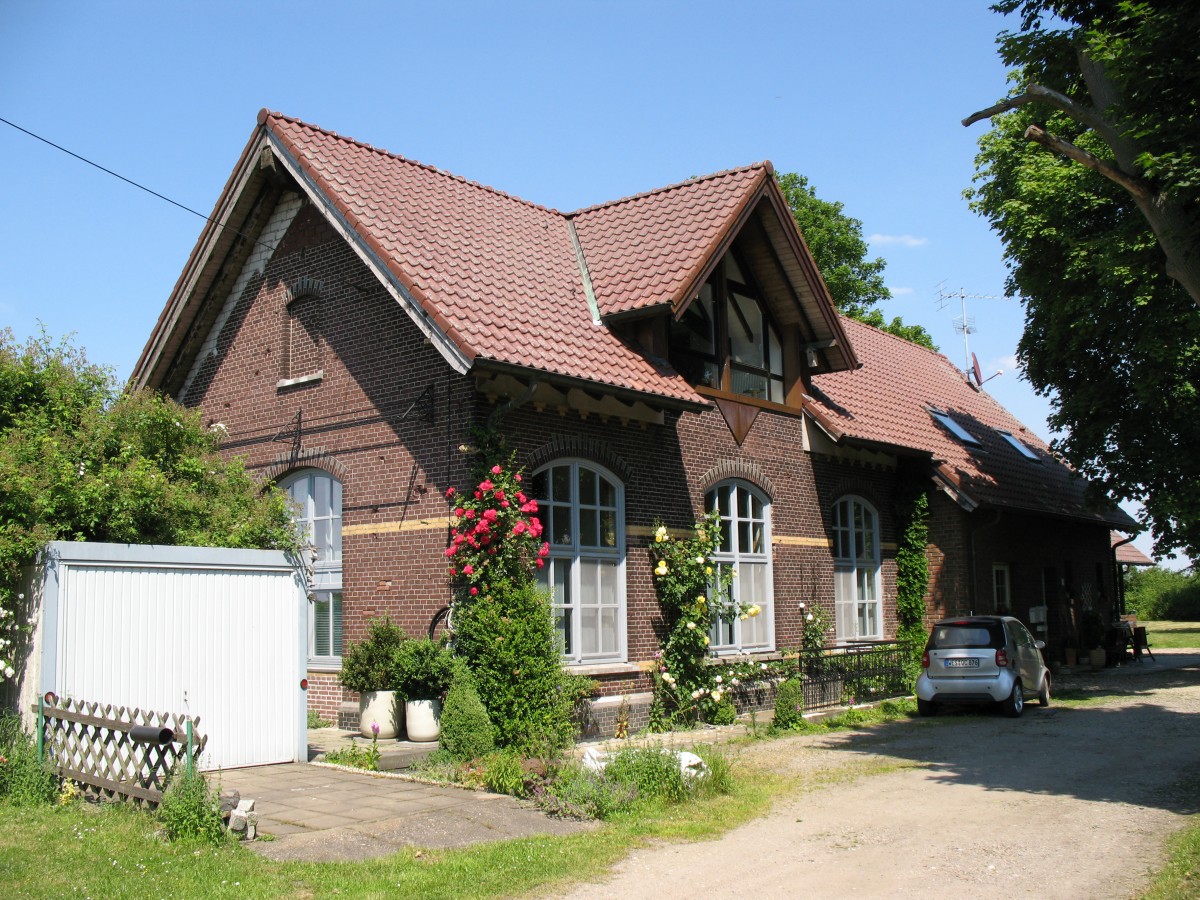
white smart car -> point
(982, 659)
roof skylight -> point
(1020, 446)
(950, 424)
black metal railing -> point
(858, 672)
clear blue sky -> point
(562, 103)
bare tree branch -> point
(1035, 93)
(1135, 186)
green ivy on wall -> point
(912, 571)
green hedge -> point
(1163, 594)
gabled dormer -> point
(713, 276)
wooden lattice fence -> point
(115, 751)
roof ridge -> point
(265, 114)
(764, 164)
(896, 337)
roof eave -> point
(219, 232)
(618, 391)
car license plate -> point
(962, 663)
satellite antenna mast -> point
(963, 324)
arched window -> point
(856, 590)
(318, 499)
(582, 508)
(745, 548)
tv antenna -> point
(964, 324)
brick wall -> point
(387, 414)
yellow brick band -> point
(397, 527)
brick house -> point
(355, 313)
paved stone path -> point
(321, 813)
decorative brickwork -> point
(737, 468)
(567, 445)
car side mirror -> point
(1041, 645)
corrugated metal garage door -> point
(218, 634)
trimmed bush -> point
(422, 669)
(506, 635)
(369, 665)
(789, 704)
(466, 728)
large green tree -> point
(836, 241)
(82, 461)
(1121, 81)
(1112, 335)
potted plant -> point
(423, 671)
(368, 667)
(1091, 636)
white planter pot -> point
(379, 708)
(422, 719)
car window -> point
(965, 635)
(1021, 636)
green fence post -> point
(191, 762)
(41, 739)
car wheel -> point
(1044, 693)
(926, 707)
(1015, 704)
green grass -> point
(1180, 878)
(114, 851)
(887, 711)
(1173, 635)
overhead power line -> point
(128, 181)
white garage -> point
(213, 633)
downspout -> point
(1118, 576)
(972, 558)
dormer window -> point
(726, 339)
(948, 422)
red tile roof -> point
(887, 401)
(644, 251)
(1127, 553)
(499, 275)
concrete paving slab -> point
(320, 813)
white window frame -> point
(857, 575)
(572, 558)
(725, 636)
(326, 603)
(327, 568)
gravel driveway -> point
(1067, 802)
